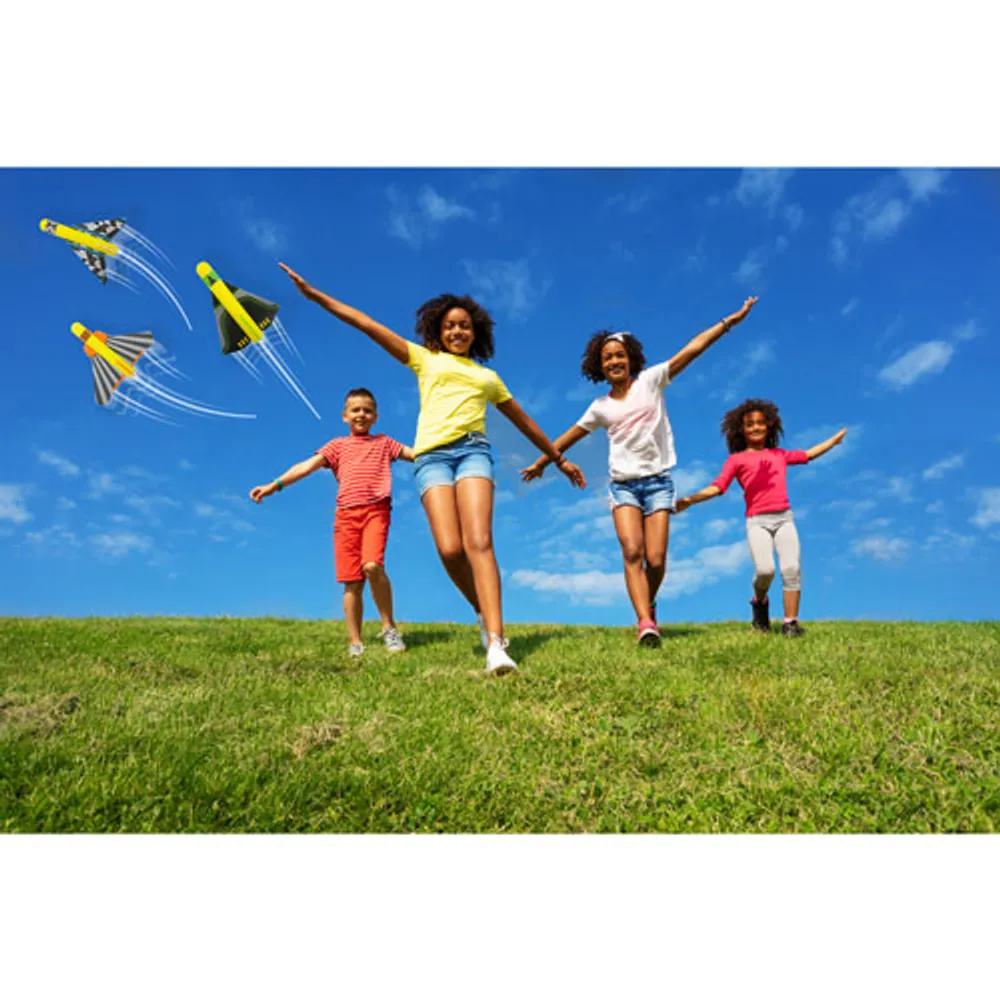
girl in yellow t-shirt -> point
(453, 466)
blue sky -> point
(877, 311)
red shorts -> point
(359, 537)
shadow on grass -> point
(428, 635)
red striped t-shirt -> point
(361, 464)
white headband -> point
(620, 337)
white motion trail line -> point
(182, 402)
(278, 367)
(154, 278)
(146, 244)
(134, 408)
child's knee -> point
(763, 577)
(791, 577)
(371, 569)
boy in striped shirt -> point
(360, 463)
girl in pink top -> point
(752, 431)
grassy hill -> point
(265, 725)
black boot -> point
(761, 615)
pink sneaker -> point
(649, 634)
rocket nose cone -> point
(204, 269)
(44, 225)
(79, 330)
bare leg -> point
(381, 588)
(628, 524)
(474, 496)
(656, 530)
(442, 515)
(791, 599)
(353, 607)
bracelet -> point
(279, 484)
(726, 326)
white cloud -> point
(415, 225)
(58, 538)
(267, 236)
(203, 509)
(849, 308)
(720, 526)
(507, 285)
(62, 465)
(968, 330)
(794, 216)
(877, 214)
(762, 187)
(751, 267)
(599, 587)
(738, 371)
(185, 465)
(12, 503)
(928, 358)
(935, 508)
(691, 477)
(64, 503)
(149, 506)
(988, 511)
(439, 209)
(120, 543)
(922, 183)
(897, 488)
(882, 548)
(102, 483)
(938, 469)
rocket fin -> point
(95, 262)
(106, 228)
(259, 310)
(106, 379)
(131, 346)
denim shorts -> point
(649, 494)
(465, 458)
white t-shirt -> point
(639, 434)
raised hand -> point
(303, 286)
(572, 473)
(259, 492)
(744, 310)
(533, 471)
(839, 436)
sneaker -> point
(792, 629)
(356, 650)
(649, 634)
(498, 662)
(393, 641)
(484, 636)
(761, 616)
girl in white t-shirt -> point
(641, 452)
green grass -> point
(266, 726)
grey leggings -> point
(766, 532)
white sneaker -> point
(355, 650)
(393, 641)
(484, 636)
(498, 662)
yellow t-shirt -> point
(454, 392)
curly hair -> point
(732, 424)
(590, 363)
(432, 312)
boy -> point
(361, 527)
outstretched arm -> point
(513, 412)
(382, 335)
(698, 345)
(298, 471)
(561, 444)
(706, 494)
(406, 453)
(821, 449)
